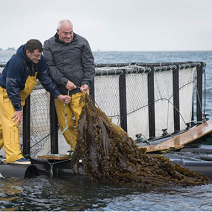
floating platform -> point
(18, 171)
(63, 168)
(203, 167)
(180, 140)
(57, 165)
(53, 165)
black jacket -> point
(14, 75)
(73, 61)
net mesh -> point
(107, 95)
(137, 104)
(163, 102)
(187, 83)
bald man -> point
(71, 65)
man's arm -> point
(58, 77)
(49, 84)
(46, 80)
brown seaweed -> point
(110, 155)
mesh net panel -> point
(186, 83)
(107, 96)
(40, 124)
(163, 90)
(137, 104)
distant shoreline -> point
(7, 50)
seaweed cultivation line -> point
(110, 155)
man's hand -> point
(70, 85)
(64, 98)
(17, 117)
(84, 89)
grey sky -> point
(112, 25)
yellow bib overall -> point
(9, 130)
(73, 109)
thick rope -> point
(52, 165)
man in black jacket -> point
(71, 65)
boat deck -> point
(179, 141)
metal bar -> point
(53, 127)
(187, 64)
(26, 128)
(151, 103)
(92, 91)
(176, 100)
(123, 100)
(199, 93)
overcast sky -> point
(112, 25)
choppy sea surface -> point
(78, 193)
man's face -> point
(35, 56)
(66, 33)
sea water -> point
(79, 193)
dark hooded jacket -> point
(69, 61)
(14, 75)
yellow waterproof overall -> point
(73, 109)
(9, 130)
